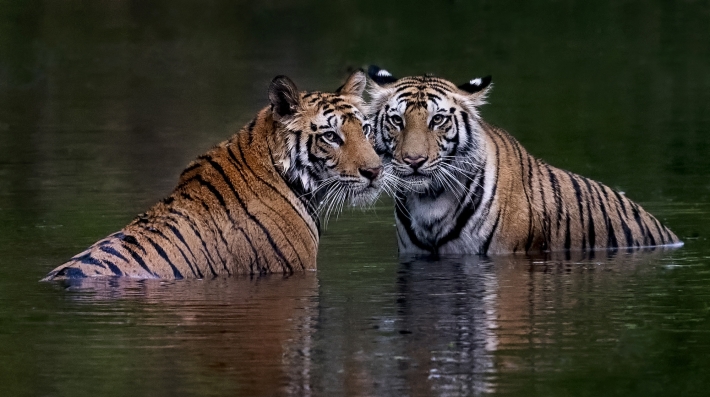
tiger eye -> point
(330, 135)
(437, 119)
(396, 120)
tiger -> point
(251, 204)
(464, 186)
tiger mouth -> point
(406, 172)
(417, 178)
(365, 195)
(363, 187)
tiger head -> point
(426, 128)
(327, 148)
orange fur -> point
(249, 205)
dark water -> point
(103, 103)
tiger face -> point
(426, 128)
(327, 146)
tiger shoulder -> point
(464, 186)
(251, 204)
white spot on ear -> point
(384, 73)
(475, 81)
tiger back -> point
(250, 204)
(464, 186)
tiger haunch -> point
(464, 186)
(250, 205)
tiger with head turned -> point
(465, 186)
(251, 204)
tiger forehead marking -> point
(331, 112)
(427, 92)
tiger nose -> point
(371, 173)
(415, 162)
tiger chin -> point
(251, 204)
(466, 187)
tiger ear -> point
(477, 88)
(354, 85)
(284, 97)
(380, 76)
(476, 85)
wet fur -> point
(480, 191)
(250, 204)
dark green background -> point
(103, 102)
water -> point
(103, 103)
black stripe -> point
(438, 90)
(311, 157)
(578, 194)
(605, 206)
(621, 201)
(478, 191)
(568, 235)
(285, 221)
(455, 140)
(592, 232)
(164, 255)
(133, 241)
(668, 234)
(209, 211)
(69, 272)
(112, 251)
(558, 196)
(250, 129)
(205, 251)
(89, 260)
(404, 87)
(115, 269)
(610, 235)
(297, 160)
(469, 132)
(637, 217)
(212, 189)
(528, 195)
(190, 167)
(139, 260)
(273, 244)
(547, 233)
(217, 230)
(406, 223)
(169, 241)
(195, 269)
(489, 238)
(267, 183)
(253, 250)
(461, 222)
(628, 235)
(627, 230)
(658, 229)
(486, 211)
